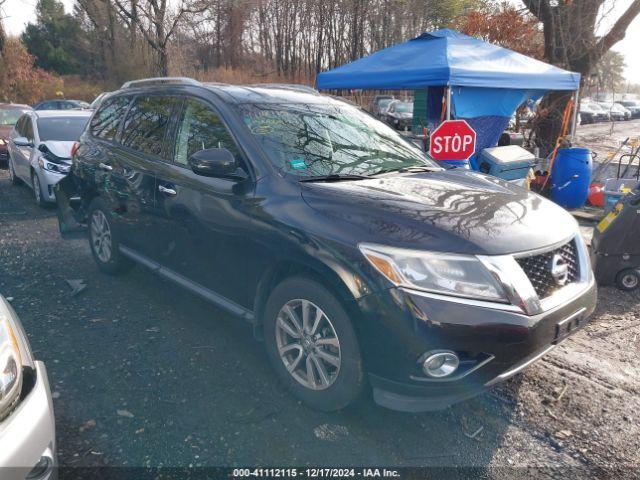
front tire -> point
(104, 241)
(628, 280)
(37, 190)
(12, 173)
(312, 345)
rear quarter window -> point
(104, 123)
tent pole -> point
(574, 120)
(448, 103)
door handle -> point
(167, 191)
(104, 167)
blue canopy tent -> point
(483, 83)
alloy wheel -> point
(101, 236)
(630, 281)
(308, 344)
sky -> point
(17, 13)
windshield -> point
(403, 107)
(10, 116)
(319, 140)
(384, 103)
(63, 129)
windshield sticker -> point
(298, 164)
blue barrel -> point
(571, 177)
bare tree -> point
(157, 23)
(570, 41)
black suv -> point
(359, 260)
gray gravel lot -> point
(145, 374)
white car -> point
(616, 111)
(40, 149)
(27, 425)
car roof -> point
(15, 106)
(243, 94)
(275, 93)
(61, 113)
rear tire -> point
(103, 239)
(628, 279)
(315, 354)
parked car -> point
(633, 106)
(61, 105)
(591, 112)
(616, 112)
(9, 114)
(27, 425)
(587, 114)
(40, 149)
(623, 109)
(399, 115)
(380, 103)
(354, 256)
(603, 114)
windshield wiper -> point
(412, 169)
(333, 177)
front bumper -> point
(28, 433)
(48, 180)
(495, 344)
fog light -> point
(440, 364)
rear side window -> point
(104, 123)
(147, 122)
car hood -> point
(454, 211)
(60, 149)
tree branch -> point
(619, 29)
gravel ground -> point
(145, 374)
(603, 138)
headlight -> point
(10, 366)
(53, 167)
(444, 273)
(2, 142)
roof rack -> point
(297, 87)
(160, 81)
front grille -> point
(538, 269)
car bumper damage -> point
(68, 204)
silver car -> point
(27, 427)
(40, 149)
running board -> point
(207, 294)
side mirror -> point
(22, 142)
(215, 162)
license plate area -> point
(566, 327)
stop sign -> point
(452, 140)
